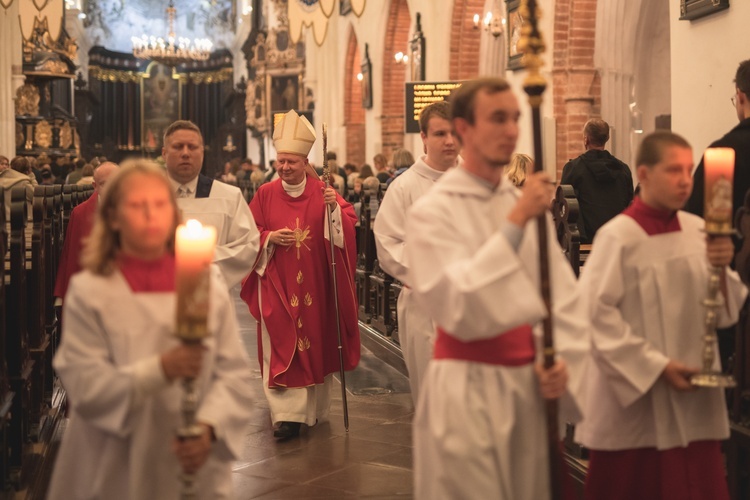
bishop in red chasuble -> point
(290, 290)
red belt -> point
(512, 348)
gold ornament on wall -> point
(27, 100)
(66, 135)
(43, 134)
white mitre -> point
(294, 134)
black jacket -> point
(738, 139)
(603, 186)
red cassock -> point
(296, 288)
(79, 227)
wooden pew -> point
(20, 365)
(380, 289)
(365, 261)
(37, 300)
(6, 396)
(565, 213)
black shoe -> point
(287, 430)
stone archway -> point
(394, 77)
(465, 39)
(354, 113)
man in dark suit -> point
(738, 139)
(603, 184)
(212, 203)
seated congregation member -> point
(120, 361)
(602, 183)
(79, 227)
(415, 328)
(650, 432)
(472, 250)
(212, 202)
(290, 290)
(11, 178)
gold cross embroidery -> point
(300, 236)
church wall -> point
(326, 67)
(705, 55)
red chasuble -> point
(79, 227)
(296, 288)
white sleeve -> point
(630, 362)
(338, 230)
(734, 299)
(472, 295)
(390, 237)
(227, 404)
(103, 393)
(237, 255)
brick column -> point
(465, 39)
(394, 77)
(576, 83)
(354, 113)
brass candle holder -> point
(194, 247)
(719, 174)
(708, 377)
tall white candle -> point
(194, 251)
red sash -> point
(512, 348)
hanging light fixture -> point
(172, 50)
(493, 21)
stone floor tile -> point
(370, 480)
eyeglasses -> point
(732, 99)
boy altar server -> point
(651, 433)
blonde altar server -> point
(120, 362)
(416, 332)
(472, 245)
(651, 434)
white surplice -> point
(123, 411)
(416, 331)
(645, 296)
(237, 235)
(479, 430)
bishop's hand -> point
(283, 237)
(329, 195)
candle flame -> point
(194, 227)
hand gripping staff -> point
(329, 211)
(531, 45)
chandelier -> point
(492, 22)
(173, 50)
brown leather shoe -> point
(287, 430)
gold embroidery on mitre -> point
(294, 301)
(303, 344)
(299, 322)
(300, 278)
(308, 299)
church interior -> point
(95, 79)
